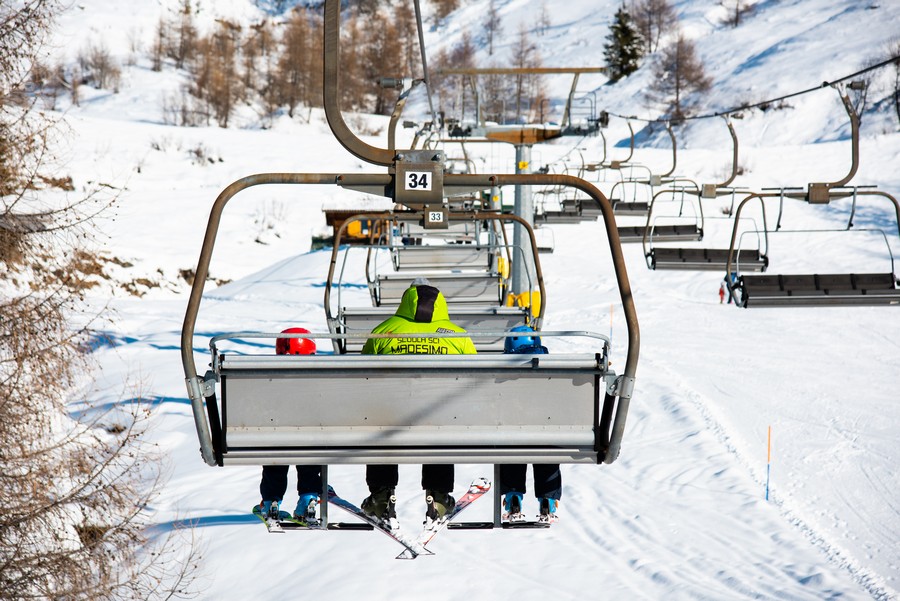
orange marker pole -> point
(768, 462)
(610, 322)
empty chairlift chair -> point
(817, 289)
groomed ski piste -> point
(682, 513)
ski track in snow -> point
(836, 555)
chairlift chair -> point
(265, 409)
(697, 258)
(814, 289)
(662, 228)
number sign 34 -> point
(418, 180)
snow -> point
(682, 513)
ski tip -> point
(412, 554)
(480, 485)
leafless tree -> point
(353, 85)
(183, 38)
(383, 51)
(405, 23)
(451, 91)
(158, 48)
(528, 90)
(653, 18)
(544, 21)
(292, 80)
(677, 73)
(893, 50)
(99, 67)
(443, 8)
(736, 11)
(75, 482)
(492, 26)
(215, 79)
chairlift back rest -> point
(458, 230)
(358, 409)
(631, 208)
(705, 259)
(476, 288)
(441, 257)
(469, 317)
(661, 233)
(562, 217)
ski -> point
(292, 523)
(309, 522)
(479, 487)
(286, 521)
(518, 520)
(413, 548)
(524, 524)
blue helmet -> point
(524, 344)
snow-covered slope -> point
(682, 513)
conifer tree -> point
(624, 48)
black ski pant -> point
(438, 478)
(275, 480)
(547, 480)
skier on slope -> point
(275, 477)
(547, 477)
(422, 309)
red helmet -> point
(295, 346)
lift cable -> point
(824, 84)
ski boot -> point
(306, 508)
(512, 507)
(437, 505)
(548, 510)
(382, 505)
(268, 509)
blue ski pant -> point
(547, 479)
(275, 479)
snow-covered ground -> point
(682, 513)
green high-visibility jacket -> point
(422, 309)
